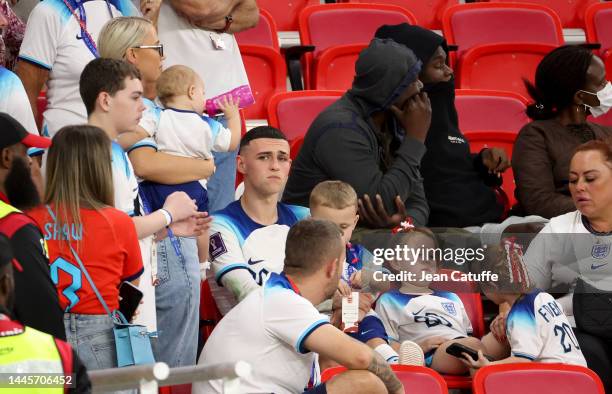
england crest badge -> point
(450, 308)
(600, 251)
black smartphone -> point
(457, 350)
(130, 299)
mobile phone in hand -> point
(130, 299)
(457, 350)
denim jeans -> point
(177, 298)
(222, 184)
(91, 336)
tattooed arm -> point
(333, 344)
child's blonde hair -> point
(175, 81)
(333, 194)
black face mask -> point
(20, 189)
(436, 88)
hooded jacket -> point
(457, 184)
(344, 144)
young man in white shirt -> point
(277, 328)
(112, 93)
(247, 237)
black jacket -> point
(457, 184)
(344, 144)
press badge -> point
(217, 41)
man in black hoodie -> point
(371, 138)
(458, 184)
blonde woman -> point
(177, 293)
(79, 222)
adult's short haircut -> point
(334, 195)
(104, 75)
(310, 245)
(261, 132)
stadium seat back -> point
(536, 378)
(416, 380)
(500, 139)
(267, 74)
(285, 13)
(490, 110)
(468, 25)
(293, 112)
(264, 34)
(482, 66)
(41, 105)
(335, 68)
(295, 147)
(428, 13)
(328, 25)
(571, 12)
(598, 20)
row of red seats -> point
(429, 13)
(526, 378)
(338, 32)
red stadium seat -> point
(328, 25)
(490, 110)
(469, 25)
(41, 106)
(264, 34)
(267, 74)
(293, 112)
(536, 378)
(571, 12)
(598, 20)
(428, 13)
(416, 380)
(209, 313)
(500, 139)
(335, 68)
(481, 66)
(295, 147)
(285, 13)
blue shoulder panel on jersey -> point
(35, 62)
(298, 212)
(299, 346)
(396, 299)
(448, 295)
(223, 219)
(143, 143)
(61, 9)
(119, 157)
(215, 126)
(522, 312)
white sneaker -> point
(410, 353)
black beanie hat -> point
(423, 42)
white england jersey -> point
(243, 253)
(418, 317)
(221, 69)
(538, 330)
(124, 180)
(268, 330)
(567, 247)
(14, 100)
(54, 41)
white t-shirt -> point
(244, 253)
(418, 317)
(267, 329)
(538, 329)
(566, 249)
(124, 180)
(14, 100)
(53, 41)
(221, 70)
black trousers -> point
(598, 355)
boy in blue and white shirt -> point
(181, 129)
(336, 201)
(537, 329)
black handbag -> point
(593, 310)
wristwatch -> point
(228, 22)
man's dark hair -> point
(310, 244)
(261, 132)
(560, 74)
(104, 75)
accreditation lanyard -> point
(81, 18)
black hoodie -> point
(457, 184)
(344, 144)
